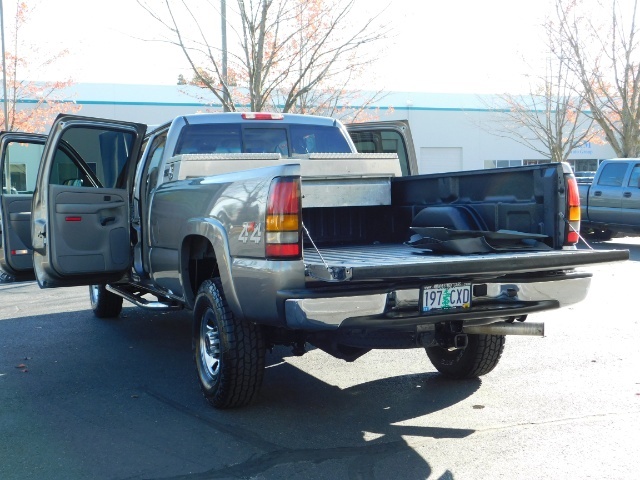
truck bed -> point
(400, 261)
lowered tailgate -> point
(399, 261)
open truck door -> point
(80, 223)
(20, 155)
(388, 136)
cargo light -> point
(262, 116)
(283, 224)
(573, 212)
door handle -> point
(597, 193)
(107, 220)
(627, 194)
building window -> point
(584, 166)
(502, 163)
(18, 173)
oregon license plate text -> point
(445, 295)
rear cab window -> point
(286, 139)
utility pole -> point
(225, 85)
(4, 71)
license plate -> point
(443, 296)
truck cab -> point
(611, 203)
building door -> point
(440, 159)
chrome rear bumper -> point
(399, 309)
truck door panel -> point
(605, 195)
(630, 202)
(16, 233)
(20, 160)
(89, 229)
(81, 218)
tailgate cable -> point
(336, 274)
(572, 228)
(326, 265)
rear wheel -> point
(479, 357)
(104, 303)
(229, 353)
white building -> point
(450, 131)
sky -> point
(453, 46)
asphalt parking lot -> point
(85, 398)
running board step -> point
(138, 300)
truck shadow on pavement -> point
(78, 392)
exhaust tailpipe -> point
(503, 328)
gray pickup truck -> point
(610, 204)
(273, 230)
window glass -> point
(490, 164)
(18, 175)
(318, 139)
(634, 181)
(67, 172)
(92, 157)
(613, 174)
(210, 138)
(581, 166)
(266, 140)
(384, 141)
(232, 138)
(504, 163)
(21, 164)
(156, 151)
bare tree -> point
(550, 118)
(291, 55)
(31, 105)
(605, 59)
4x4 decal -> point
(251, 231)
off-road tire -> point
(229, 353)
(104, 303)
(479, 357)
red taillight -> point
(262, 116)
(283, 224)
(573, 212)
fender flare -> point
(215, 233)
